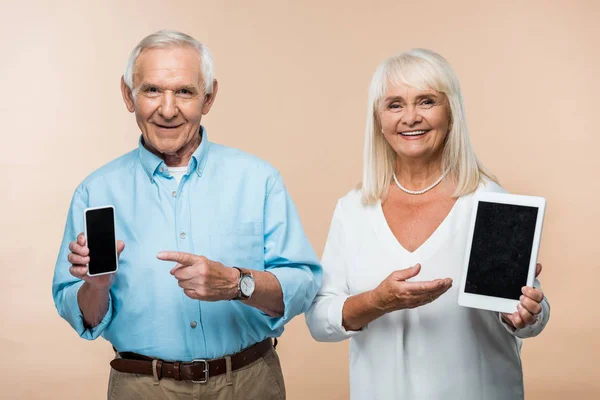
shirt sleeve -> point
(538, 326)
(64, 285)
(288, 254)
(324, 318)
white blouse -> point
(437, 351)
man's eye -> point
(151, 91)
(185, 93)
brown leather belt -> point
(196, 371)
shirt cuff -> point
(529, 330)
(334, 316)
(299, 287)
(73, 314)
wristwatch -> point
(245, 285)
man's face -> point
(168, 98)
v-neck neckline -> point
(431, 243)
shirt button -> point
(162, 169)
(182, 235)
(193, 324)
(174, 194)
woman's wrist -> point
(375, 302)
(361, 309)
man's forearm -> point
(268, 296)
(93, 304)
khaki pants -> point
(261, 380)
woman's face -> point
(414, 122)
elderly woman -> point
(397, 244)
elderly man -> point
(194, 220)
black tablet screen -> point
(501, 249)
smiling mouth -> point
(413, 133)
(167, 127)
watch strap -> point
(240, 295)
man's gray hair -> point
(167, 38)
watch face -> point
(247, 285)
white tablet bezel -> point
(86, 237)
(497, 303)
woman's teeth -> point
(413, 133)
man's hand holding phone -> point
(79, 258)
(93, 295)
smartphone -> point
(101, 240)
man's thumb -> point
(120, 246)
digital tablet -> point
(502, 249)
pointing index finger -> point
(177, 256)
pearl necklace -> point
(428, 188)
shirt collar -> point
(152, 163)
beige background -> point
(293, 83)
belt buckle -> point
(205, 370)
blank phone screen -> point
(101, 241)
(501, 249)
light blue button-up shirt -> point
(230, 207)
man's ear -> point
(210, 98)
(127, 96)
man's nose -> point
(168, 107)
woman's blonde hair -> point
(421, 69)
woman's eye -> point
(394, 106)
